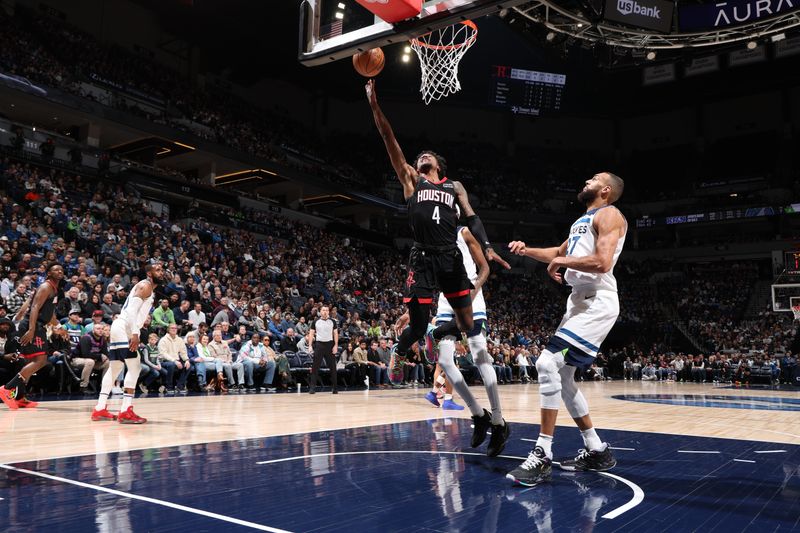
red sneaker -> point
(102, 414)
(26, 403)
(7, 398)
(129, 417)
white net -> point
(439, 54)
(794, 302)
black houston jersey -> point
(48, 308)
(432, 213)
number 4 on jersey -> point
(435, 215)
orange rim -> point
(467, 23)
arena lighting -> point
(651, 55)
(778, 37)
(406, 58)
(751, 45)
(339, 15)
(550, 36)
(407, 50)
(341, 5)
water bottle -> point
(298, 388)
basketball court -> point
(690, 457)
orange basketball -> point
(370, 63)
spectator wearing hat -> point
(75, 329)
(97, 319)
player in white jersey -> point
(478, 272)
(123, 347)
(588, 255)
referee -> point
(323, 340)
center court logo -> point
(627, 7)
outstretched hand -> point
(372, 96)
(491, 255)
(517, 247)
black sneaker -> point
(536, 469)
(497, 442)
(482, 425)
(590, 461)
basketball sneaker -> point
(536, 469)
(129, 417)
(102, 414)
(590, 461)
(500, 435)
(431, 397)
(26, 403)
(7, 397)
(481, 425)
(450, 405)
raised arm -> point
(476, 226)
(405, 172)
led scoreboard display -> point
(526, 92)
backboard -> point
(782, 296)
(335, 29)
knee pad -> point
(548, 365)
(573, 398)
(132, 376)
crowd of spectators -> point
(236, 308)
(47, 51)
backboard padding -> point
(318, 16)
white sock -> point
(127, 401)
(546, 442)
(448, 397)
(438, 384)
(477, 345)
(101, 401)
(592, 441)
(114, 368)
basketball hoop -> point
(794, 305)
(439, 53)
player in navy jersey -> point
(435, 262)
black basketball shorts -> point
(434, 270)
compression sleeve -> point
(476, 228)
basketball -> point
(370, 63)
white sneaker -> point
(116, 390)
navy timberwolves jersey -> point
(432, 213)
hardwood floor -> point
(63, 428)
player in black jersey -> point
(33, 342)
(435, 262)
